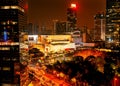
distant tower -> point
(72, 17)
(33, 29)
(13, 21)
(99, 27)
(112, 23)
(60, 27)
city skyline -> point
(43, 12)
(80, 49)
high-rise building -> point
(12, 21)
(72, 17)
(60, 27)
(112, 23)
(99, 27)
(33, 29)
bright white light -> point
(73, 5)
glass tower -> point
(112, 23)
(99, 27)
(12, 21)
(72, 17)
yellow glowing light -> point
(13, 7)
(30, 84)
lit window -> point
(6, 68)
(12, 7)
(6, 59)
(14, 23)
(107, 15)
(14, 59)
(118, 29)
(8, 22)
(110, 29)
(3, 23)
(4, 48)
(5, 7)
(118, 20)
(113, 6)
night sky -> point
(43, 12)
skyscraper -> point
(33, 29)
(12, 21)
(60, 27)
(72, 17)
(99, 27)
(112, 23)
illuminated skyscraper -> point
(99, 27)
(112, 23)
(72, 17)
(12, 21)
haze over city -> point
(59, 43)
(43, 12)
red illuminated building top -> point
(73, 5)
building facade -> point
(99, 27)
(112, 23)
(13, 20)
(33, 29)
(60, 27)
(72, 17)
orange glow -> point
(87, 52)
(115, 79)
(17, 73)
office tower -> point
(72, 17)
(12, 21)
(86, 37)
(112, 23)
(33, 29)
(99, 27)
(60, 27)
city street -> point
(41, 78)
